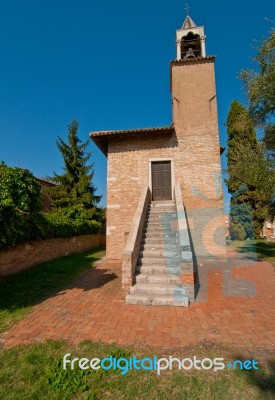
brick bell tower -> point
(195, 120)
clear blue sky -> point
(106, 63)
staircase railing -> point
(131, 250)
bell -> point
(190, 53)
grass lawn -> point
(262, 248)
(35, 372)
(20, 292)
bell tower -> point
(190, 40)
(195, 120)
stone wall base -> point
(26, 255)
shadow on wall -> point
(143, 143)
(195, 261)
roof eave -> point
(101, 138)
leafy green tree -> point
(19, 189)
(260, 88)
(20, 201)
(21, 216)
(75, 189)
(250, 175)
(257, 174)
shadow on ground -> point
(263, 378)
(263, 249)
(34, 285)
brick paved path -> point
(93, 308)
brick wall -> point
(23, 256)
(198, 167)
(128, 174)
(194, 152)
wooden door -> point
(161, 180)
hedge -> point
(21, 216)
(18, 227)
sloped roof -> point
(101, 137)
(188, 23)
(193, 59)
(45, 182)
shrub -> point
(241, 222)
(21, 218)
(42, 226)
(19, 189)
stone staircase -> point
(158, 270)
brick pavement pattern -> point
(93, 307)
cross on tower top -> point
(187, 9)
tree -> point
(241, 226)
(250, 175)
(19, 190)
(20, 201)
(241, 132)
(260, 88)
(74, 187)
(257, 175)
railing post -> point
(131, 250)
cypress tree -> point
(241, 135)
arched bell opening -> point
(191, 46)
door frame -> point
(151, 160)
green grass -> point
(35, 372)
(20, 292)
(262, 248)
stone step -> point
(160, 218)
(166, 230)
(160, 242)
(158, 230)
(163, 227)
(156, 300)
(168, 225)
(171, 223)
(162, 279)
(159, 239)
(160, 246)
(170, 262)
(170, 201)
(160, 204)
(159, 226)
(160, 233)
(168, 289)
(157, 258)
(166, 253)
(160, 211)
(157, 214)
(150, 269)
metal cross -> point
(187, 9)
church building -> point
(164, 199)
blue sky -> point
(107, 65)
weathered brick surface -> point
(27, 255)
(128, 174)
(188, 278)
(194, 151)
(93, 308)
